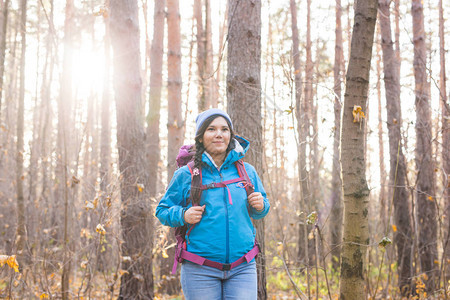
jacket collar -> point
(241, 147)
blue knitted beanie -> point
(208, 113)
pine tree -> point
(425, 188)
(397, 175)
(137, 282)
(244, 96)
(336, 181)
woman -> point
(222, 230)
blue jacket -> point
(225, 232)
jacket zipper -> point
(227, 225)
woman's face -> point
(216, 137)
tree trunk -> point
(21, 235)
(201, 56)
(309, 99)
(105, 143)
(136, 252)
(356, 191)
(45, 139)
(349, 25)
(301, 116)
(445, 108)
(10, 94)
(64, 107)
(300, 113)
(397, 34)
(310, 122)
(211, 92)
(382, 194)
(425, 189)
(35, 154)
(153, 118)
(206, 97)
(397, 176)
(244, 96)
(175, 125)
(4, 32)
(175, 122)
(221, 50)
(5, 10)
(336, 181)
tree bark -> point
(397, 34)
(445, 108)
(105, 142)
(5, 10)
(201, 56)
(64, 107)
(336, 181)
(383, 176)
(45, 136)
(175, 125)
(310, 122)
(425, 188)
(154, 114)
(244, 96)
(300, 116)
(221, 50)
(21, 235)
(175, 122)
(397, 175)
(211, 91)
(153, 118)
(356, 191)
(136, 252)
(207, 97)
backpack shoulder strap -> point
(249, 188)
(196, 183)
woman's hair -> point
(199, 148)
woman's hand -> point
(194, 214)
(256, 201)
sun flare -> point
(88, 72)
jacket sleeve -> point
(258, 188)
(171, 208)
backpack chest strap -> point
(223, 184)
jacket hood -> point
(241, 147)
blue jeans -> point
(203, 282)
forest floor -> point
(35, 283)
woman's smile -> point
(216, 139)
